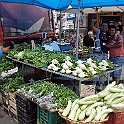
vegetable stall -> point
(49, 100)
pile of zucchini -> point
(96, 107)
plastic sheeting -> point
(21, 16)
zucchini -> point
(115, 95)
(83, 107)
(73, 111)
(116, 90)
(74, 103)
(93, 106)
(98, 109)
(119, 105)
(108, 96)
(82, 115)
(67, 109)
(103, 93)
(118, 100)
(98, 116)
(77, 114)
(92, 116)
(110, 86)
(86, 102)
(89, 98)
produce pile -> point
(5, 64)
(95, 107)
(63, 63)
(80, 68)
(48, 94)
(38, 57)
(11, 83)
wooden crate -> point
(13, 110)
(42, 73)
(12, 96)
(12, 104)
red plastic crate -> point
(116, 118)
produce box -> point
(13, 110)
(41, 73)
(116, 118)
(12, 104)
(27, 116)
(87, 90)
(5, 101)
(12, 96)
(6, 109)
(47, 117)
(24, 104)
(13, 115)
(1, 102)
(5, 94)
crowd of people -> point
(108, 44)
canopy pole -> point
(78, 26)
(97, 17)
(60, 28)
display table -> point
(77, 79)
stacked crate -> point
(5, 101)
(47, 117)
(26, 109)
(12, 106)
(1, 102)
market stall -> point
(98, 98)
(45, 97)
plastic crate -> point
(47, 117)
(38, 114)
(116, 118)
(22, 121)
(24, 104)
(27, 116)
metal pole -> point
(78, 26)
(60, 28)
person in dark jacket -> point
(88, 40)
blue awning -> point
(63, 4)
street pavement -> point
(5, 118)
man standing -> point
(116, 52)
(102, 52)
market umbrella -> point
(63, 4)
(20, 16)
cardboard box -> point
(87, 90)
